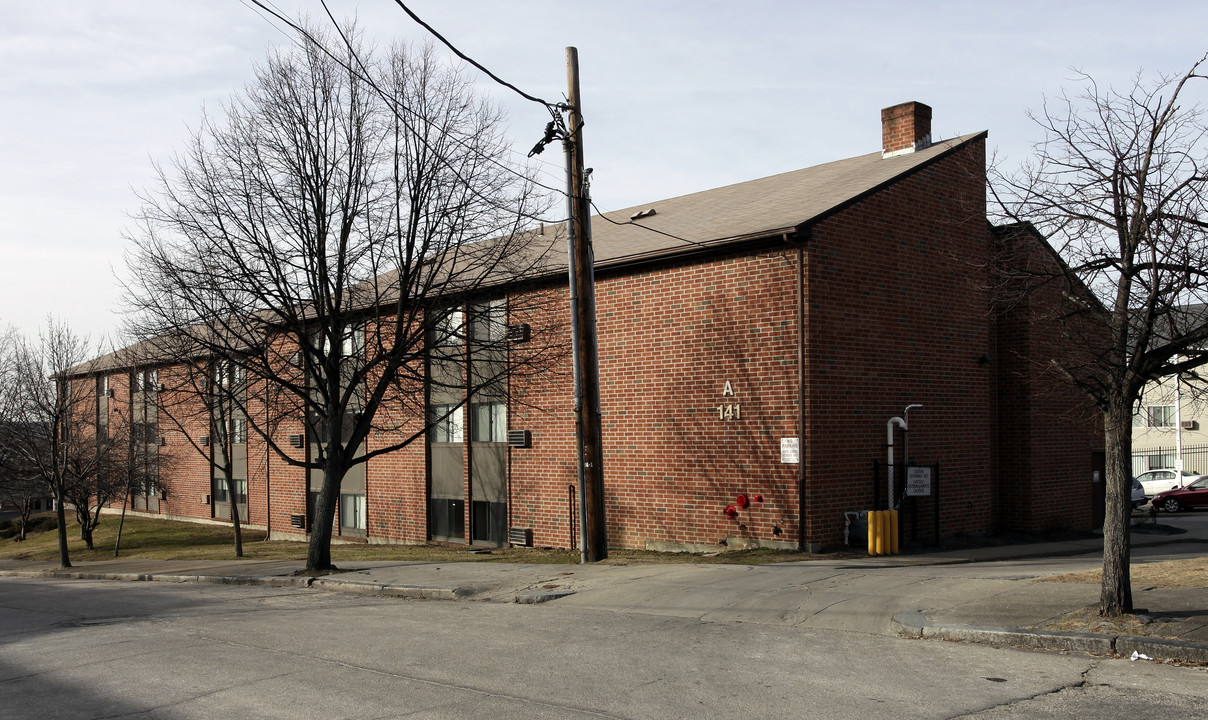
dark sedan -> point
(1193, 495)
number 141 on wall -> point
(729, 411)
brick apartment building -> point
(751, 352)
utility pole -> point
(581, 261)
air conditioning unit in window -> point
(519, 332)
(520, 438)
(1191, 425)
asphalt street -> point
(105, 649)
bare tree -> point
(323, 236)
(1118, 186)
(20, 486)
(52, 421)
(131, 464)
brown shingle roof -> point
(756, 208)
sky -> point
(678, 96)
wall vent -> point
(298, 521)
(1191, 425)
(520, 537)
(520, 438)
(295, 440)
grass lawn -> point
(153, 539)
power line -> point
(630, 223)
(550, 106)
(399, 110)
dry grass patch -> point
(153, 539)
(1188, 573)
(1088, 620)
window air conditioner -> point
(519, 332)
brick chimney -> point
(905, 128)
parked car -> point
(1194, 495)
(1138, 494)
(1156, 481)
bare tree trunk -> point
(64, 560)
(1115, 596)
(26, 508)
(117, 546)
(228, 473)
(318, 556)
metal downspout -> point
(801, 395)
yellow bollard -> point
(872, 532)
(880, 533)
(893, 532)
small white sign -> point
(790, 452)
(918, 481)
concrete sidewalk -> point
(984, 594)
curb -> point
(351, 587)
(299, 582)
(912, 623)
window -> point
(489, 322)
(146, 381)
(490, 422)
(449, 328)
(352, 511)
(240, 431)
(219, 491)
(1159, 416)
(352, 344)
(448, 424)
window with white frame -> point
(448, 423)
(449, 328)
(352, 511)
(1159, 416)
(490, 422)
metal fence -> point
(1195, 459)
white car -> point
(1156, 481)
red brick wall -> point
(899, 314)
(669, 339)
(1049, 428)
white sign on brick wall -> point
(789, 451)
(918, 481)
